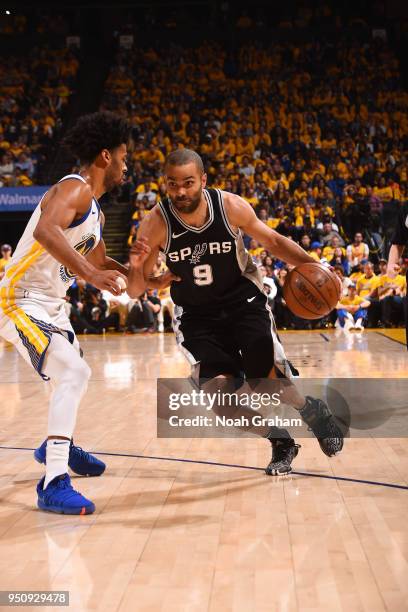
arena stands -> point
(34, 92)
(312, 135)
(312, 132)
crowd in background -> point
(304, 133)
(314, 135)
(34, 92)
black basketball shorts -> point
(238, 339)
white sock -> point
(57, 459)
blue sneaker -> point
(80, 462)
(61, 497)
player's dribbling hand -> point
(106, 280)
(139, 252)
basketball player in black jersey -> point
(222, 319)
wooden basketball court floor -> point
(195, 525)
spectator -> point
(147, 191)
(331, 246)
(316, 251)
(357, 251)
(367, 288)
(26, 165)
(368, 282)
(328, 233)
(143, 317)
(6, 168)
(96, 313)
(345, 280)
(352, 310)
(6, 252)
(339, 259)
(255, 249)
(391, 293)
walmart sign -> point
(21, 198)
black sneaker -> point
(284, 451)
(320, 420)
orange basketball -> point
(311, 290)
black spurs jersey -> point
(212, 262)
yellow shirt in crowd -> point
(385, 283)
(3, 263)
(355, 301)
(328, 252)
(366, 285)
(314, 255)
(355, 276)
(256, 252)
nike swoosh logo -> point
(178, 235)
(251, 299)
(65, 442)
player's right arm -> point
(241, 214)
(151, 236)
(65, 202)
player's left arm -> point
(241, 215)
(100, 260)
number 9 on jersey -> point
(203, 274)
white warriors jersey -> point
(33, 269)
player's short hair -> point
(94, 132)
(181, 157)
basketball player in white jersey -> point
(63, 239)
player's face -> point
(185, 186)
(117, 167)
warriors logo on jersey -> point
(84, 247)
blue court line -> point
(233, 465)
